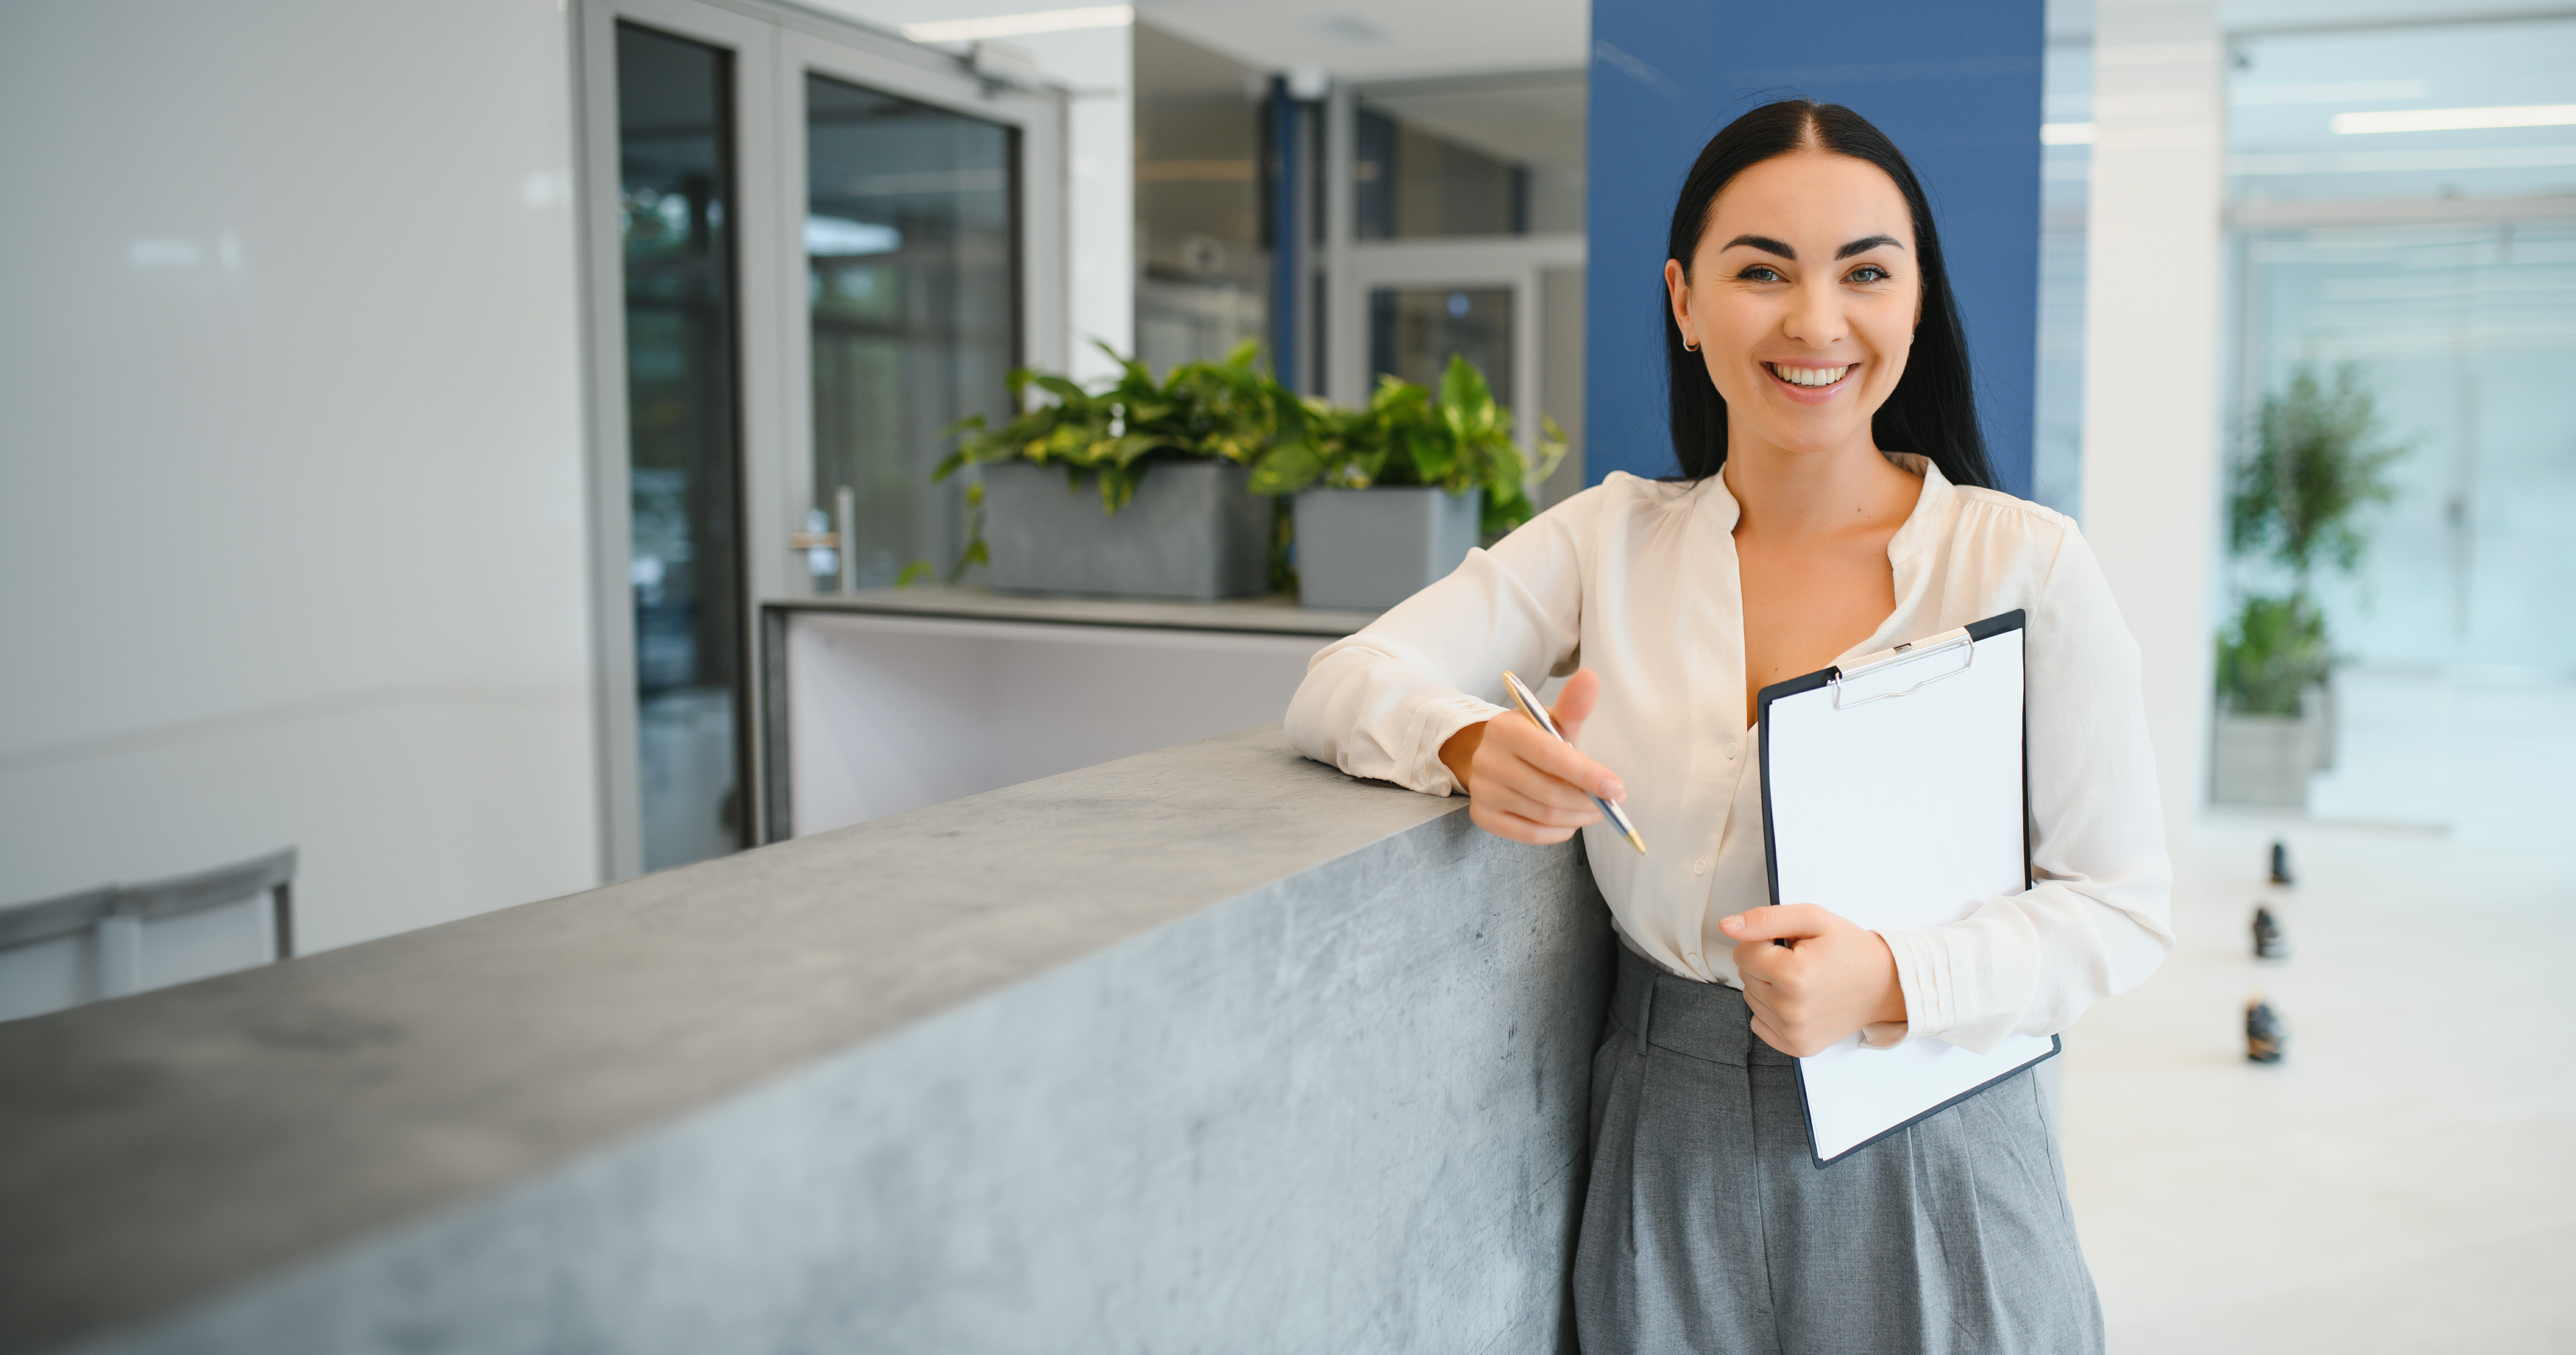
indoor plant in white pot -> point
(2317, 461)
(1392, 495)
(1140, 489)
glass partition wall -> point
(2402, 204)
(1202, 257)
(1461, 234)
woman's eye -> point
(1870, 272)
(1760, 273)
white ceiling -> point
(1387, 39)
(1352, 39)
(1378, 39)
(1532, 123)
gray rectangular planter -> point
(2267, 759)
(1194, 530)
(1369, 549)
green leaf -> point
(1286, 469)
(1463, 388)
(1118, 486)
(916, 572)
(1064, 390)
(1505, 474)
(1433, 455)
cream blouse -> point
(1636, 579)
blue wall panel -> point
(1955, 85)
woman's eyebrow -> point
(1866, 244)
(1764, 243)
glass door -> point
(677, 213)
(809, 252)
(1413, 332)
(912, 294)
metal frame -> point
(1514, 261)
(117, 914)
(1342, 378)
(773, 46)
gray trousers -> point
(1707, 1226)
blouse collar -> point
(1931, 514)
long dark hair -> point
(1934, 410)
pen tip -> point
(1636, 842)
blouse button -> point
(1700, 867)
(1730, 751)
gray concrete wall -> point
(1211, 1049)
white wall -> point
(291, 488)
(2152, 301)
(1099, 66)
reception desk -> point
(1212, 1048)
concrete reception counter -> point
(1212, 1048)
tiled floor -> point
(2406, 1179)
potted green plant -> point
(2318, 458)
(1141, 489)
(1392, 495)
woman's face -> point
(1802, 297)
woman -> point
(1834, 499)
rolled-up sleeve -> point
(1382, 702)
(2096, 920)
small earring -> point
(1689, 347)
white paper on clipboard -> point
(1895, 796)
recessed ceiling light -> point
(2329, 92)
(1020, 25)
(2454, 119)
(1348, 27)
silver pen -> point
(1528, 701)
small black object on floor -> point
(2264, 1033)
(2281, 863)
(2268, 944)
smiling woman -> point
(1834, 501)
(1892, 287)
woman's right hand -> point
(1523, 784)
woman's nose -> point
(1815, 317)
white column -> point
(1098, 66)
(2151, 364)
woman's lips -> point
(1809, 385)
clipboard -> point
(1896, 792)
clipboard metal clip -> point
(1907, 654)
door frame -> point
(773, 46)
(1514, 261)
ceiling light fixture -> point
(2455, 119)
(2329, 92)
(1020, 25)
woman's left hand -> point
(1830, 980)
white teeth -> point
(1810, 376)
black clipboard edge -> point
(1998, 624)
